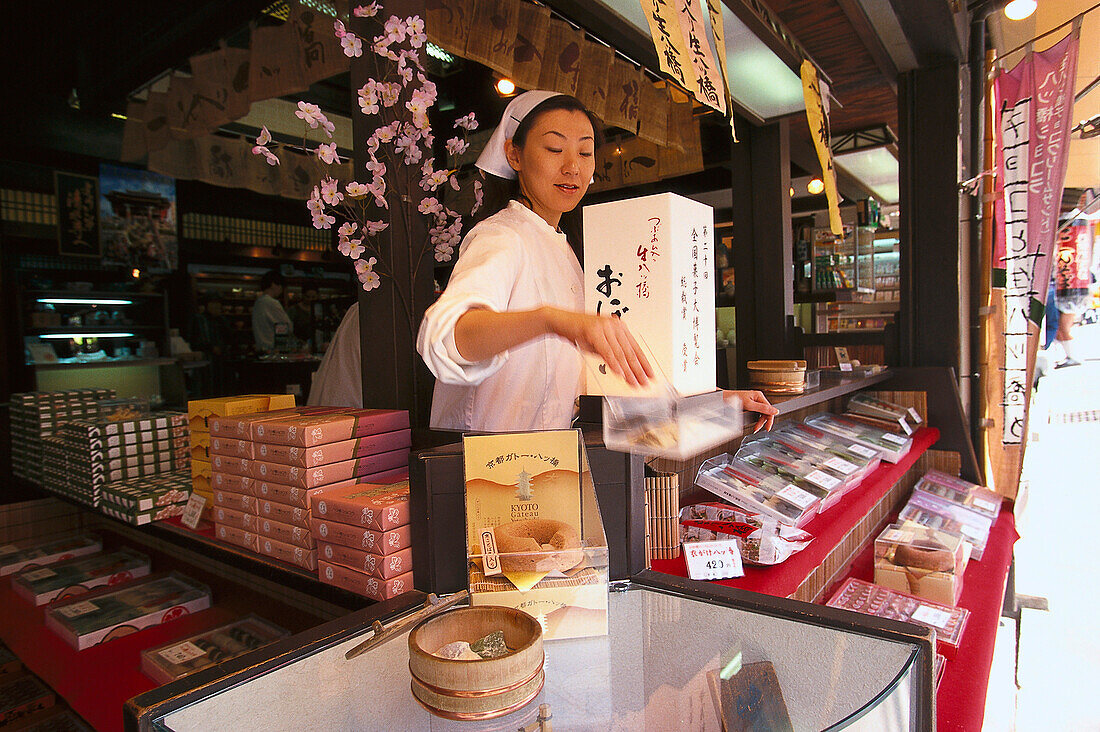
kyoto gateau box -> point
(650, 261)
(112, 612)
(200, 411)
(73, 577)
(535, 540)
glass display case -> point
(678, 655)
(859, 275)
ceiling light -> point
(75, 336)
(82, 301)
(815, 186)
(439, 54)
(135, 273)
(792, 191)
(1019, 9)
(876, 168)
(506, 87)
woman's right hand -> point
(606, 337)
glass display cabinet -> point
(678, 655)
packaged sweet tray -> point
(866, 458)
(970, 495)
(179, 658)
(893, 447)
(41, 585)
(110, 613)
(18, 557)
(761, 541)
(830, 473)
(864, 597)
(824, 486)
(922, 561)
(769, 495)
(939, 513)
(905, 418)
(23, 696)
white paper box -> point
(651, 260)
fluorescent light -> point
(77, 336)
(439, 54)
(1020, 9)
(875, 168)
(81, 301)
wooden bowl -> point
(482, 689)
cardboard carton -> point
(372, 506)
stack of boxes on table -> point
(199, 412)
(267, 466)
(38, 414)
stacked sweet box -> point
(199, 412)
(42, 585)
(16, 557)
(37, 414)
(144, 500)
(364, 539)
(265, 468)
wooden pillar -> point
(762, 248)
(394, 376)
(934, 300)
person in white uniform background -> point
(504, 338)
(268, 312)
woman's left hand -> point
(755, 401)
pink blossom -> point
(327, 153)
(376, 167)
(428, 88)
(390, 94)
(432, 181)
(406, 73)
(271, 158)
(364, 265)
(309, 113)
(368, 100)
(467, 123)
(386, 133)
(347, 229)
(382, 48)
(315, 204)
(479, 196)
(375, 227)
(454, 182)
(323, 221)
(330, 191)
(370, 280)
(395, 29)
(352, 248)
(414, 26)
(457, 146)
(356, 189)
(366, 11)
(430, 205)
(265, 136)
(353, 47)
(413, 155)
(338, 29)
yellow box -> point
(200, 445)
(200, 410)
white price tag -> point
(712, 560)
(916, 417)
(891, 437)
(192, 512)
(975, 534)
(862, 450)
(842, 358)
(984, 505)
(490, 559)
(837, 463)
(78, 609)
(796, 495)
(182, 652)
(823, 480)
(931, 616)
(38, 574)
(897, 536)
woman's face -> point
(556, 162)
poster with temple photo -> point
(137, 213)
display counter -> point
(659, 667)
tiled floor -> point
(1058, 668)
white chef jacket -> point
(513, 260)
(266, 313)
(338, 381)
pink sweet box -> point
(296, 555)
(369, 505)
(326, 474)
(281, 512)
(375, 542)
(286, 533)
(310, 430)
(364, 584)
(372, 564)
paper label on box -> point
(796, 495)
(916, 417)
(712, 560)
(489, 557)
(192, 512)
(78, 609)
(837, 463)
(862, 450)
(897, 536)
(932, 616)
(823, 480)
(971, 533)
(38, 574)
(182, 653)
(890, 437)
(984, 505)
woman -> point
(504, 339)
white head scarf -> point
(493, 158)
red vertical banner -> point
(1033, 104)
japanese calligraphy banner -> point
(714, 7)
(1033, 103)
(447, 23)
(492, 34)
(77, 214)
(624, 86)
(596, 59)
(562, 68)
(710, 88)
(818, 120)
(528, 47)
(319, 53)
(669, 40)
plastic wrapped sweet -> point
(41, 585)
(922, 561)
(179, 658)
(939, 513)
(762, 540)
(963, 493)
(749, 488)
(893, 447)
(865, 458)
(864, 597)
(827, 476)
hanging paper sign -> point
(819, 131)
(77, 214)
(562, 70)
(718, 30)
(529, 47)
(1034, 101)
(668, 39)
(709, 84)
